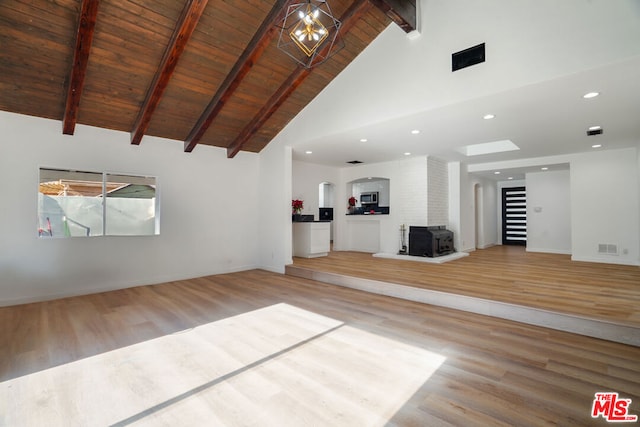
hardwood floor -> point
(508, 274)
(259, 348)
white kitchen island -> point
(311, 239)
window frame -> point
(128, 179)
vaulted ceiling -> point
(199, 71)
(541, 58)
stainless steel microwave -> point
(369, 198)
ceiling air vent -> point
(592, 132)
(354, 162)
(468, 57)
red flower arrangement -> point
(352, 201)
(296, 206)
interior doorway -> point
(514, 216)
(326, 201)
(479, 219)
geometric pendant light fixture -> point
(309, 33)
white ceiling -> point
(533, 80)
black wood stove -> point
(431, 241)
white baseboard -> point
(487, 246)
(117, 286)
(606, 260)
(549, 251)
(274, 269)
(59, 295)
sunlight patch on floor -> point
(279, 365)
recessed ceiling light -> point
(363, 139)
(407, 153)
(590, 95)
(596, 146)
(595, 128)
(510, 177)
(544, 168)
(308, 152)
(496, 173)
(488, 116)
(415, 131)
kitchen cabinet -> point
(311, 239)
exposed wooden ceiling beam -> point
(402, 12)
(185, 26)
(84, 37)
(357, 9)
(271, 106)
(261, 39)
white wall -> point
(273, 212)
(603, 34)
(408, 196)
(327, 195)
(305, 185)
(454, 180)
(207, 212)
(490, 214)
(306, 179)
(486, 210)
(549, 212)
(604, 206)
(437, 191)
(407, 192)
(467, 212)
(380, 186)
(461, 207)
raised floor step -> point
(592, 327)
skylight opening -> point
(488, 148)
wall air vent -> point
(354, 162)
(607, 248)
(468, 57)
(592, 132)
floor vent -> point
(609, 249)
(468, 57)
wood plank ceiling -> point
(199, 71)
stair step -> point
(592, 327)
